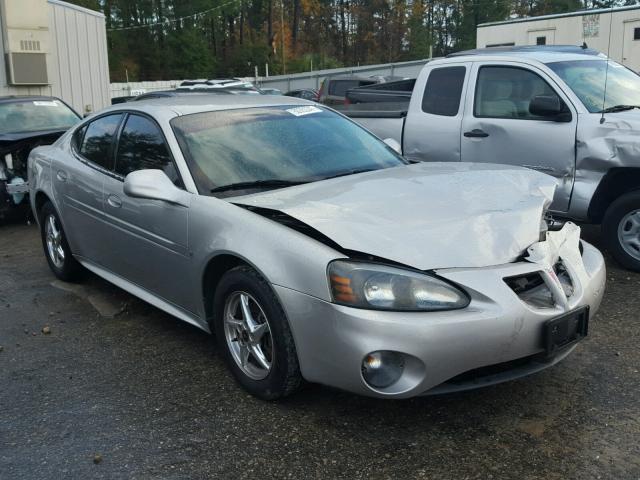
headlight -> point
(381, 287)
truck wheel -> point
(621, 230)
(56, 248)
(253, 335)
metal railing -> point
(285, 83)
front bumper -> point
(12, 194)
(497, 328)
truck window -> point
(443, 91)
(505, 92)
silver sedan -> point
(313, 250)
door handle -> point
(61, 175)
(114, 201)
(476, 133)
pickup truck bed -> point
(382, 123)
(390, 92)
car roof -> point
(22, 98)
(169, 107)
(540, 53)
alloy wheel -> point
(53, 235)
(248, 335)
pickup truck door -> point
(432, 127)
(498, 127)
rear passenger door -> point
(498, 127)
(148, 238)
(78, 181)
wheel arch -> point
(40, 199)
(616, 182)
(215, 268)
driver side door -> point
(148, 238)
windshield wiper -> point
(350, 172)
(618, 108)
(271, 183)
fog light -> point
(382, 369)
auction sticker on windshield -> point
(300, 111)
(39, 103)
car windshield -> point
(274, 146)
(587, 79)
(35, 115)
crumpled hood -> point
(427, 215)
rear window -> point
(443, 91)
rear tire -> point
(253, 335)
(56, 248)
(621, 230)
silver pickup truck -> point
(564, 111)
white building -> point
(54, 48)
(590, 26)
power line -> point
(169, 22)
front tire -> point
(621, 230)
(56, 248)
(253, 335)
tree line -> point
(175, 39)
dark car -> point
(180, 92)
(333, 90)
(25, 123)
(194, 91)
(306, 93)
(398, 92)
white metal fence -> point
(314, 79)
(286, 82)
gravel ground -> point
(118, 389)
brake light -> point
(347, 102)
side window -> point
(142, 146)
(78, 135)
(443, 91)
(97, 140)
(505, 92)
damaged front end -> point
(560, 273)
(14, 154)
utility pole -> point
(284, 61)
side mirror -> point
(545, 106)
(394, 145)
(154, 185)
